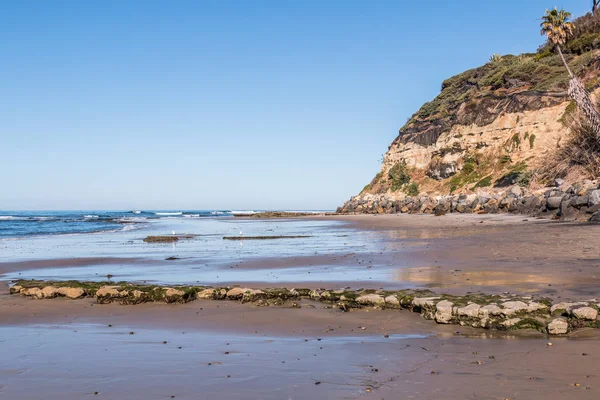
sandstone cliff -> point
(490, 127)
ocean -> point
(34, 223)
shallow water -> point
(205, 258)
(76, 361)
(184, 274)
(207, 240)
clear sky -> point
(227, 104)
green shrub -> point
(468, 174)
(546, 53)
(524, 178)
(468, 167)
(591, 85)
(398, 176)
(485, 182)
(531, 140)
(412, 189)
(584, 43)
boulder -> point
(595, 217)
(424, 301)
(49, 292)
(594, 198)
(253, 295)
(443, 312)
(559, 182)
(33, 292)
(15, 289)
(471, 311)
(558, 326)
(511, 322)
(565, 306)
(533, 306)
(71, 292)
(586, 313)
(325, 295)
(579, 201)
(236, 293)
(553, 203)
(174, 295)
(206, 294)
(490, 309)
(108, 291)
(516, 191)
(370, 299)
(567, 213)
(393, 300)
(513, 307)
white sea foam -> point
(90, 216)
(136, 212)
(131, 227)
(13, 218)
(169, 213)
(191, 215)
(248, 212)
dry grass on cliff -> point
(577, 154)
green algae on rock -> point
(500, 312)
(161, 239)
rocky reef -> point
(501, 312)
(265, 237)
(161, 239)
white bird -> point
(173, 233)
(241, 233)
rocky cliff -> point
(490, 128)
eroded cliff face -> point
(463, 158)
(519, 136)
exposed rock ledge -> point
(578, 202)
(508, 312)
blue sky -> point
(226, 104)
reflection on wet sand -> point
(439, 277)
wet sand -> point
(492, 253)
(73, 348)
(66, 349)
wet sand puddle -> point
(185, 274)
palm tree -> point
(556, 25)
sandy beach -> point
(224, 349)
